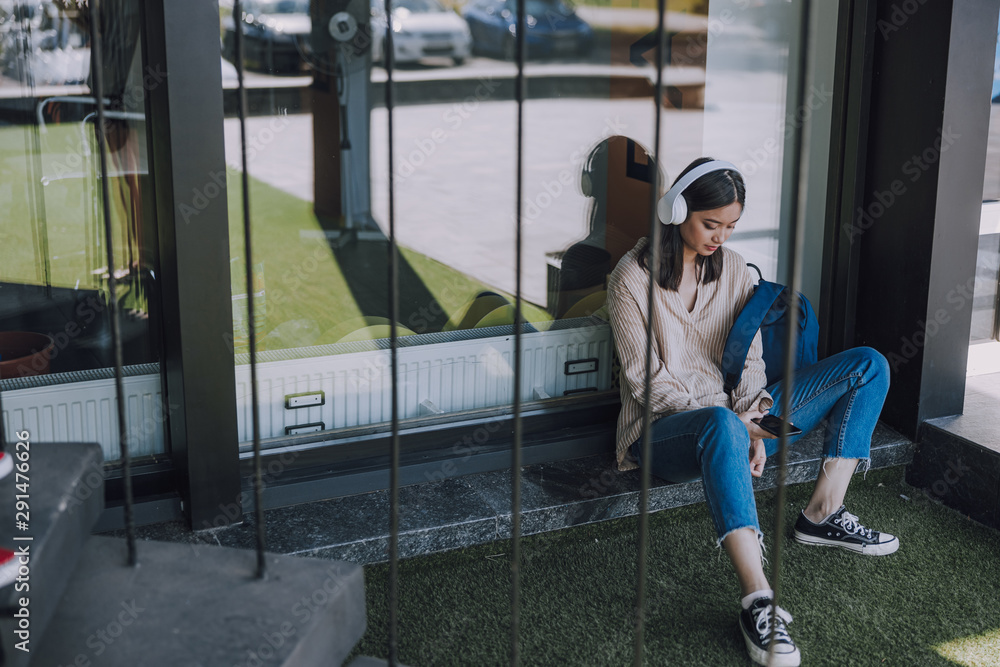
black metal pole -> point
(116, 337)
(647, 417)
(516, 458)
(258, 483)
(390, 57)
(800, 167)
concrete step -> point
(63, 487)
(200, 605)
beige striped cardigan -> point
(687, 347)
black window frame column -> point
(848, 139)
(896, 271)
(187, 152)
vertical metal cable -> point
(251, 311)
(33, 167)
(520, 86)
(116, 337)
(390, 57)
(800, 167)
(654, 271)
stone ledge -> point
(475, 509)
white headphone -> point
(672, 208)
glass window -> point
(319, 186)
(984, 353)
(55, 322)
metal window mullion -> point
(647, 445)
(251, 310)
(797, 204)
(116, 338)
(394, 447)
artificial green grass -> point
(577, 592)
(67, 204)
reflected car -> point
(554, 29)
(40, 45)
(275, 34)
(420, 29)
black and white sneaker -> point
(841, 529)
(756, 623)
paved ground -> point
(455, 184)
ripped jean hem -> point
(760, 536)
(864, 464)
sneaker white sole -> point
(882, 549)
(759, 655)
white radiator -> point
(330, 386)
(85, 412)
(353, 388)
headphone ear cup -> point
(585, 184)
(680, 210)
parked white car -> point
(420, 29)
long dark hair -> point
(715, 189)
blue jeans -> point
(844, 392)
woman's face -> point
(705, 231)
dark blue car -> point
(554, 29)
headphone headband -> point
(672, 208)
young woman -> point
(701, 432)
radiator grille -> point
(449, 376)
(85, 412)
(453, 373)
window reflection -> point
(319, 179)
(54, 273)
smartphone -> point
(772, 425)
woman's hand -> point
(755, 431)
(758, 456)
